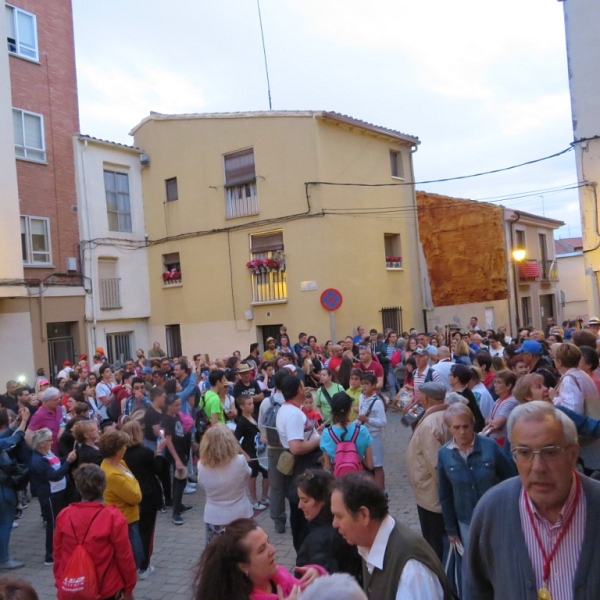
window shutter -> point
(239, 168)
(271, 242)
(107, 268)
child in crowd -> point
(354, 391)
(308, 408)
(247, 434)
(371, 412)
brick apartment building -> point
(44, 106)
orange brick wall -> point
(50, 89)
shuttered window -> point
(239, 168)
(270, 242)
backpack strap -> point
(334, 437)
(371, 405)
(88, 529)
(355, 434)
(326, 394)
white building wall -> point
(491, 314)
(92, 157)
(583, 50)
(16, 346)
(571, 272)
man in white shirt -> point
(297, 435)
(441, 369)
(397, 562)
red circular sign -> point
(331, 299)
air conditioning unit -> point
(71, 264)
(144, 160)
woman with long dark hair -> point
(239, 564)
(323, 545)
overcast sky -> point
(483, 84)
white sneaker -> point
(189, 489)
(258, 506)
(144, 574)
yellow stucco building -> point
(222, 190)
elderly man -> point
(156, 351)
(422, 373)
(594, 326)
(535, 536)
(397, 562)
(49, 415)
(430, 434)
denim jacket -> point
(462, 483)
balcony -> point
(110, 294)
(241, 200)
(549, 270)
(393, 263)
(172, 278)
(269, 287)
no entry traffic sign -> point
(331, 299)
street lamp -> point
(518, 255)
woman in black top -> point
(323, 545)
(142, 463)
(86, 433)
(247, 431)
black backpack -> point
(270, 421)
(201, 422)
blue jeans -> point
(136, 543)
(8, 505)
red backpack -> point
(80, 581)
(346, 459)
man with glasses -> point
(138, 398)
(535, 536)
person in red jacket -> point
(107, 540)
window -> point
(520, 240)
(171, 186)
(526, 311)
(171, 269)
(393, 250)
(544, 262)
(116, 186)
(118, 346)
(29, 135)
(396, 164)
(22, 32)
(35, 241)
(240, 184)
(391, 318)
(173, 341)
(267, 268)
(109, 284)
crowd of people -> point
(504, 431)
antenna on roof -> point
(262, 35)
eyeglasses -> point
(523, 454)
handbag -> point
(286, 462)
(454, 567)
(13, 474)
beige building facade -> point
(223, 190)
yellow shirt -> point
(355, 395)
(269, 355)
(122, 490)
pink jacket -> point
(286, 580)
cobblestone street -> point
(176, 549)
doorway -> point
(60, 346)
(546, 309)
(268, 331)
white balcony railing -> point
(241, 200)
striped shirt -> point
(564, 564)
(418, 380)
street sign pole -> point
(331, 300)
(332, 326)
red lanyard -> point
(565, 528)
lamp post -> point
(518, 255)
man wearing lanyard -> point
(535, 537)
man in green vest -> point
(397, 562)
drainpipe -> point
(89, 237)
